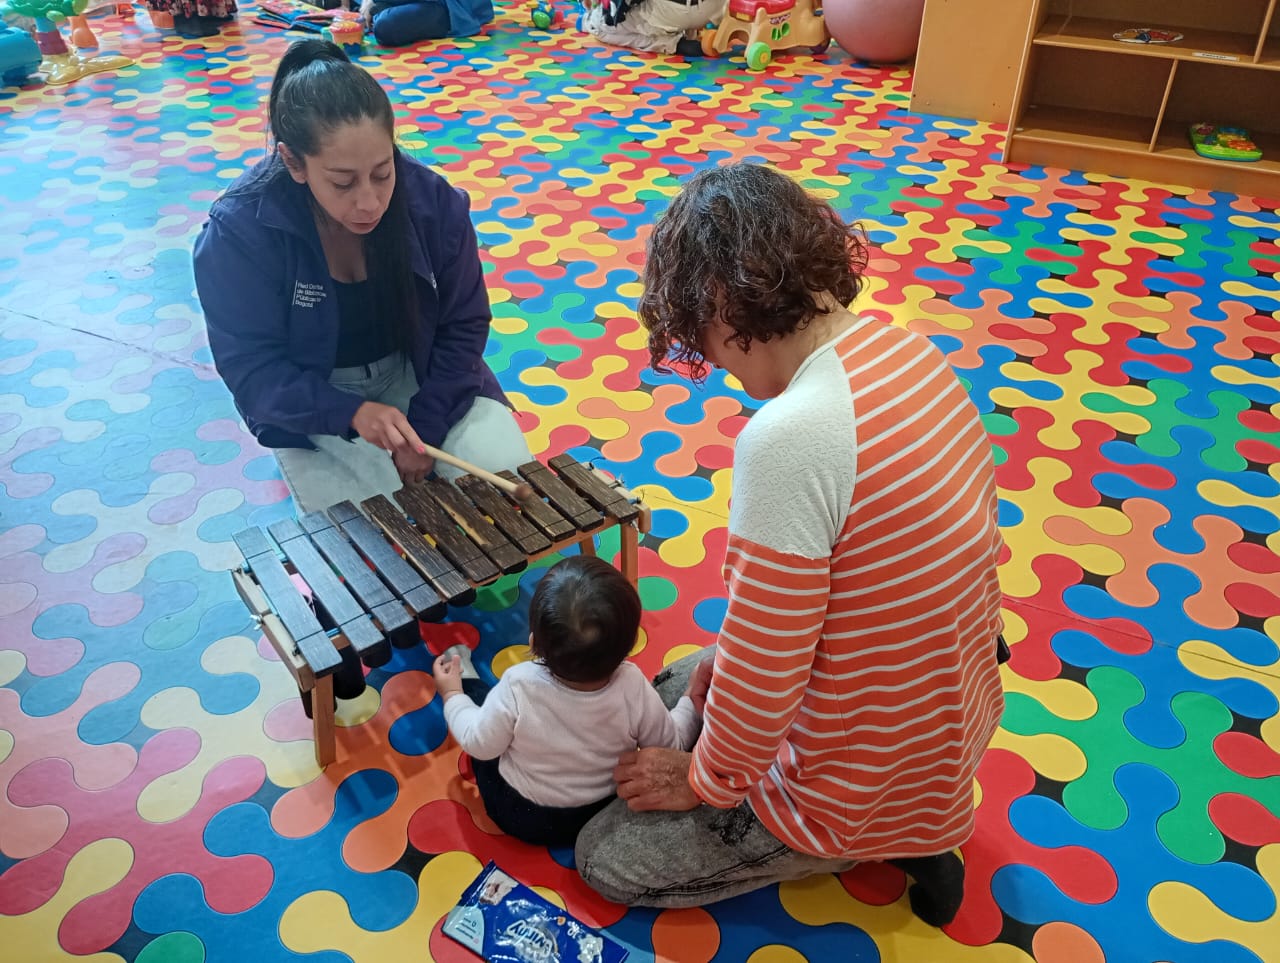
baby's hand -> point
(448, 675)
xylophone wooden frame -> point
(323, 714)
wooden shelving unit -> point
(1087, 101)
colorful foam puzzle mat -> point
(159, 797)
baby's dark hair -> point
(750, 245)
(583, 619)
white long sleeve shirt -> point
(558, 746)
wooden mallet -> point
(517, 490)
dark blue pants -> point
(525, 820)
(409, 23)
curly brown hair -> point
(752, 246)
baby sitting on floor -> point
(545, 740)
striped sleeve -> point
(764, 659)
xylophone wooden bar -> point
(343, 612)
(287, 602)
(518, 529)
(397, 622)
(453, 588)
(403, 579)
(463, 554)
(605, 498)
(477, 527)
(371, 572)
(567, 502)
(550, 521)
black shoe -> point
(938, 888)
(688, 47)
(194, 27)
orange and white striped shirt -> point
(855, 686)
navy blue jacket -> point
(272, 311)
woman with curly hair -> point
(854, 684)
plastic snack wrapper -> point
(506, 922)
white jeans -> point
(341, 470)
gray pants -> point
(691, 858)
(340, 470)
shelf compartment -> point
(1090, 33)
(1203, 92)
(1191, 17)
(1102, 99)
(1254, 178)
(1174, 143)
(1173, 161)
(1093, 128)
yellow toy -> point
(764, 26)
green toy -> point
(1224, 143)
(60, 65)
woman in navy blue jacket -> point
(344, 298)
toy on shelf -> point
(546, 14)
(764, 26)
(1146, 35)
(346, 30)
(1224, 143)
(60, 65)
(19, 56)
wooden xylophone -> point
(370, 573)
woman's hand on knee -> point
(656, 779)
(700, 682)
(387, 427)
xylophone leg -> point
(630, 557)
(587, 546)
(322, 720)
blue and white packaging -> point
(506, 922)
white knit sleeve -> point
(794, 464)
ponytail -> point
(317, 88)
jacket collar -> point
(286, 205)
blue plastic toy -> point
(19, 56)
